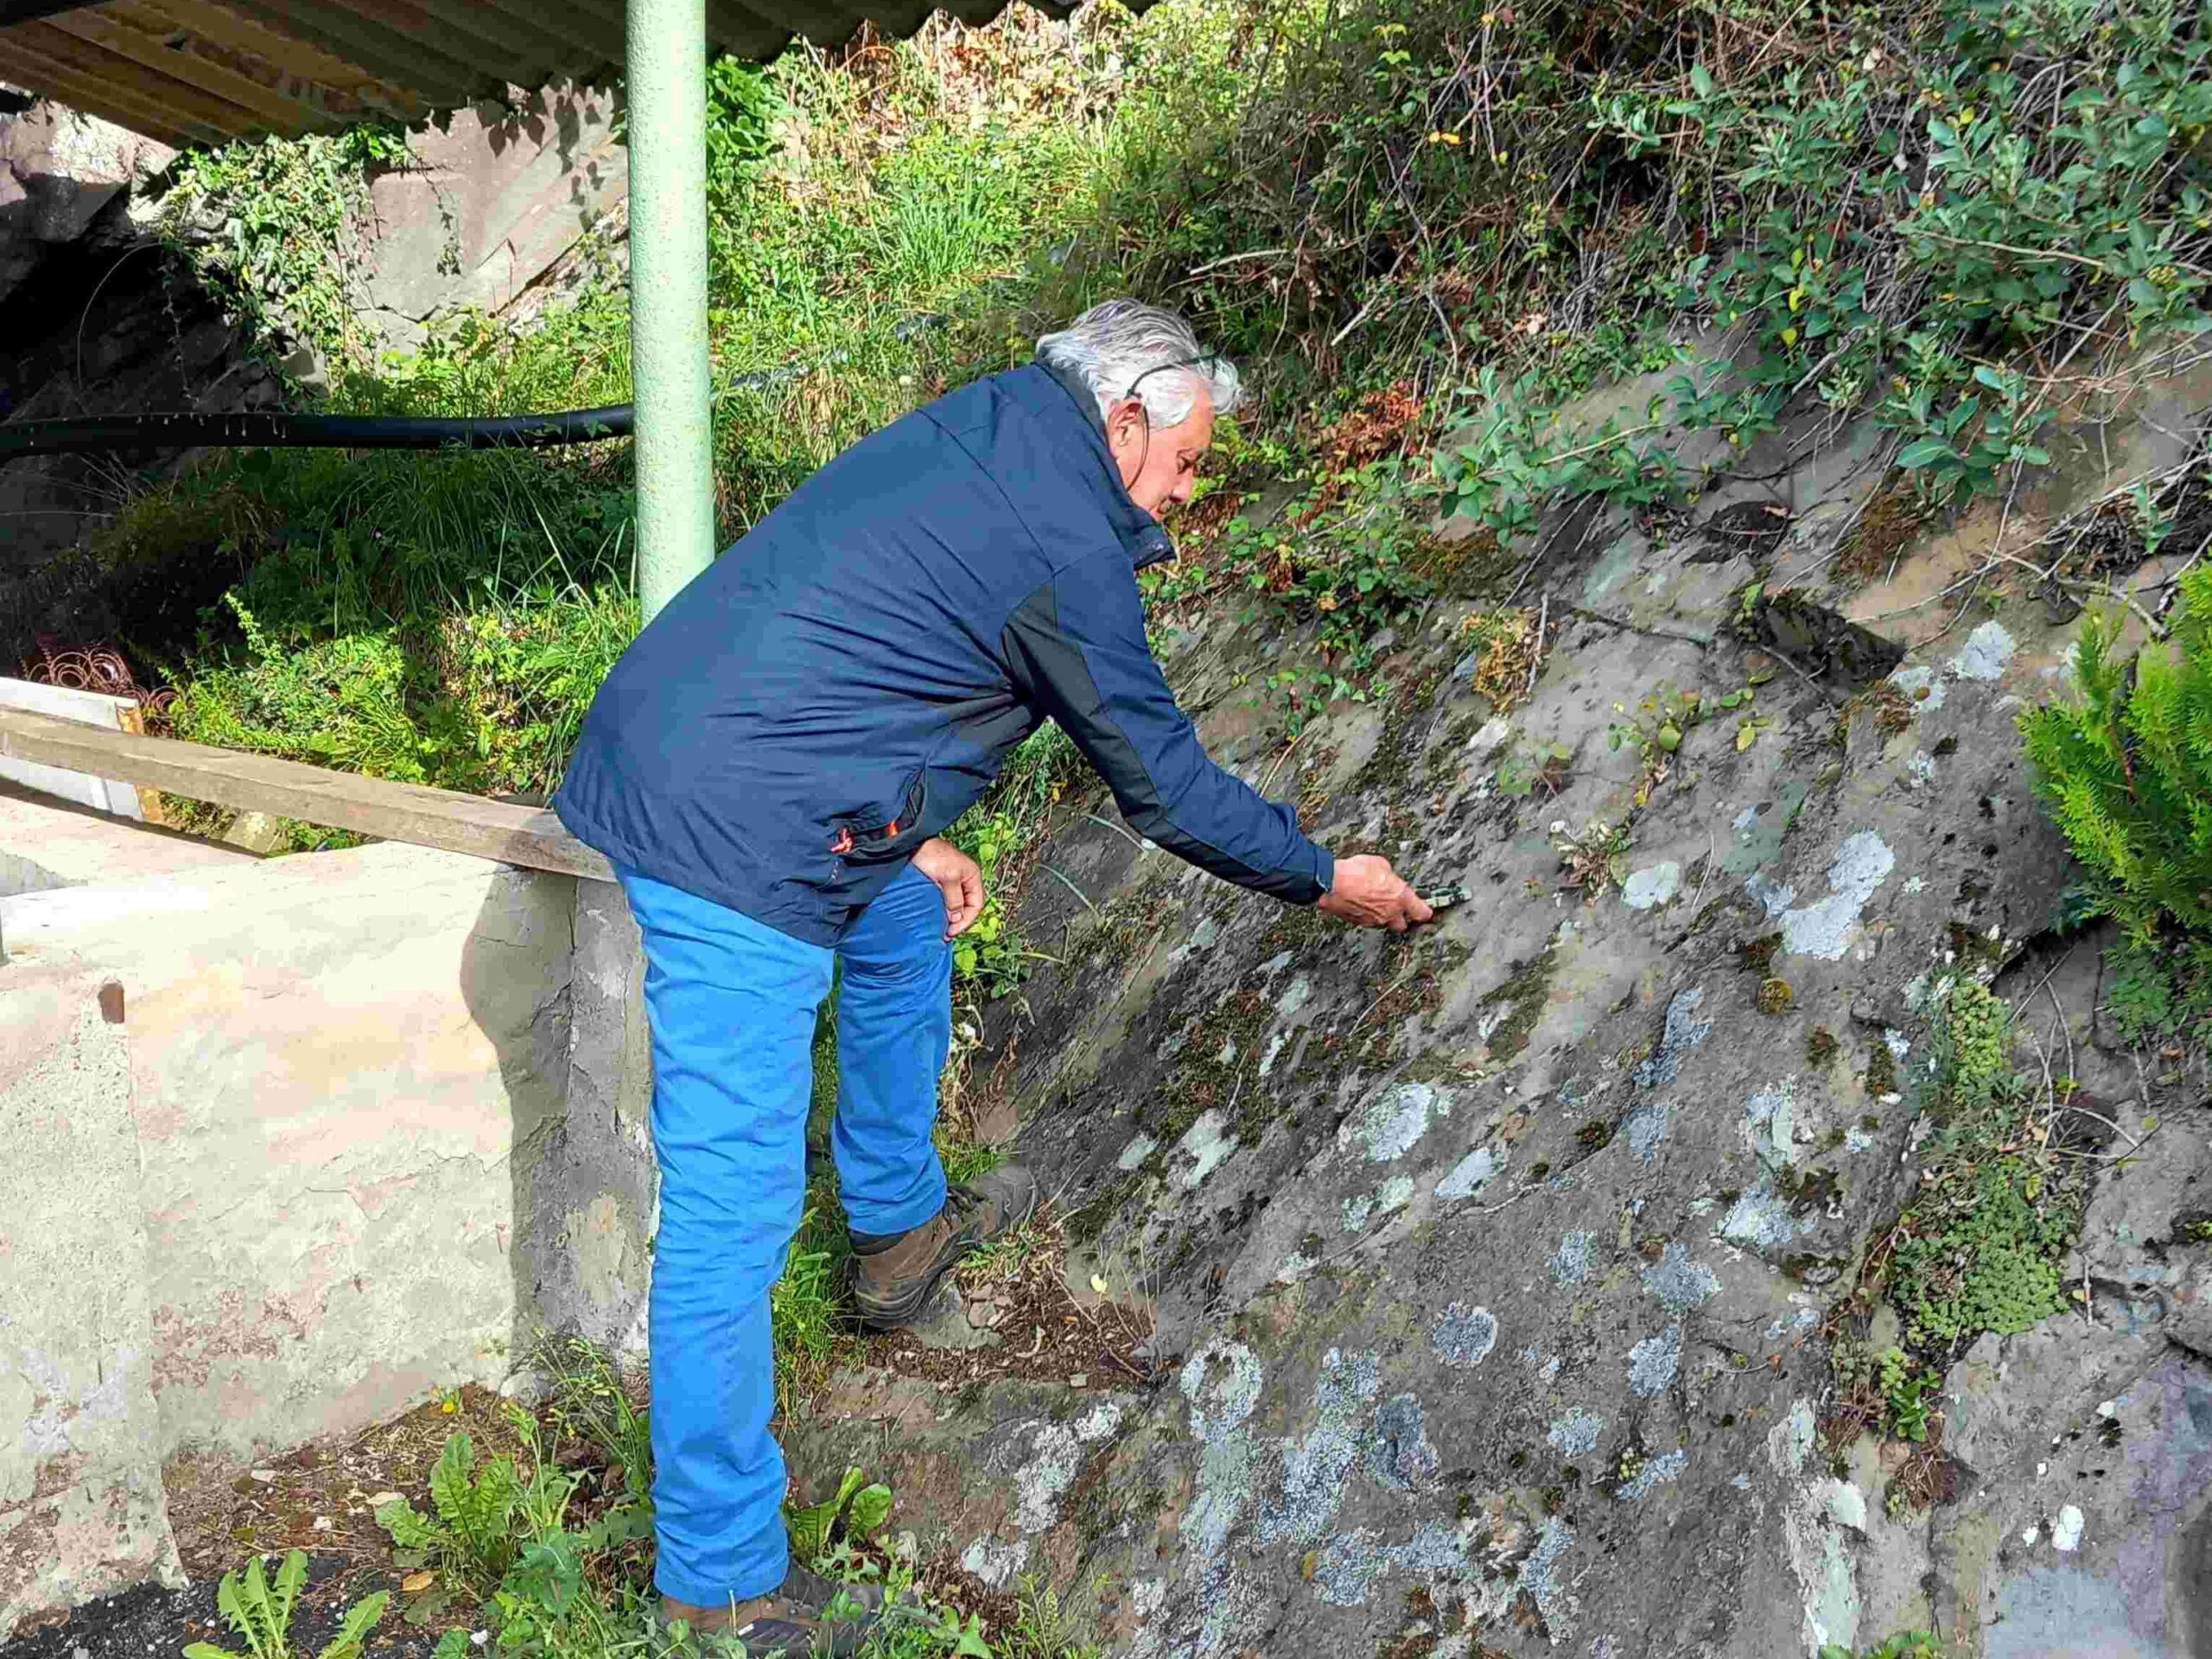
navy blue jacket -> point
(845, 681)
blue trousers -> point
(731, 1005)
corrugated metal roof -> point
(203, 71)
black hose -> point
(310, 431)
(281, 431)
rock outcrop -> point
(1491, 1263)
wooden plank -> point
(340, 800)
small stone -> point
(1080, 1380)
(264, 1476)
(322, 1523)
(383, 1498)
(2066, 1531)
(2108, 1410)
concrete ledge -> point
(46, 841)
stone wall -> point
(288, 1146)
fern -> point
(261, 1614)
(2127, 771)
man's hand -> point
(1370, 893)
(957, 878)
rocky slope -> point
(1496, 1268)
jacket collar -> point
(1139, 533)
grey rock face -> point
(1499, 1327)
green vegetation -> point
(2127, 773)
(1905, 1390)
(277, 228)
(1892, 211)
(1480, 216)
(1984, 1245)
(1907, 1644)
(559, 1567)
(261, 1614)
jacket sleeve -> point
(1077, 649)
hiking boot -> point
(792, 1619)
(892, 1276)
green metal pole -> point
(667, 92)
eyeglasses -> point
(1179, 363)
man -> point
(769, 767)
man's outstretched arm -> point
(1077, 646)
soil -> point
(1046, 1335)
(152, 1620)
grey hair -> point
(1111, 347)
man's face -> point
(1160, 464)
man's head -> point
(1158, 391)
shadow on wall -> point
(575, 1068)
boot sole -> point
(891, 1316)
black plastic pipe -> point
(279, 431)
(101, 433)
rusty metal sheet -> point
(199, 71)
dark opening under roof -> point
(204, 71)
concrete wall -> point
(313, 1157)
(81, 1509)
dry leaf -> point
(415, 1582)
(1098, 1283)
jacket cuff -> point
(1325, 870)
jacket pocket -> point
(874, 838)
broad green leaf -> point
(1701, 78)
(871, 1508)
(289, 1578)
(346, 1644)
(450, 1481)
(1989, 376)
(1924, 453)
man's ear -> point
(1125, 422)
